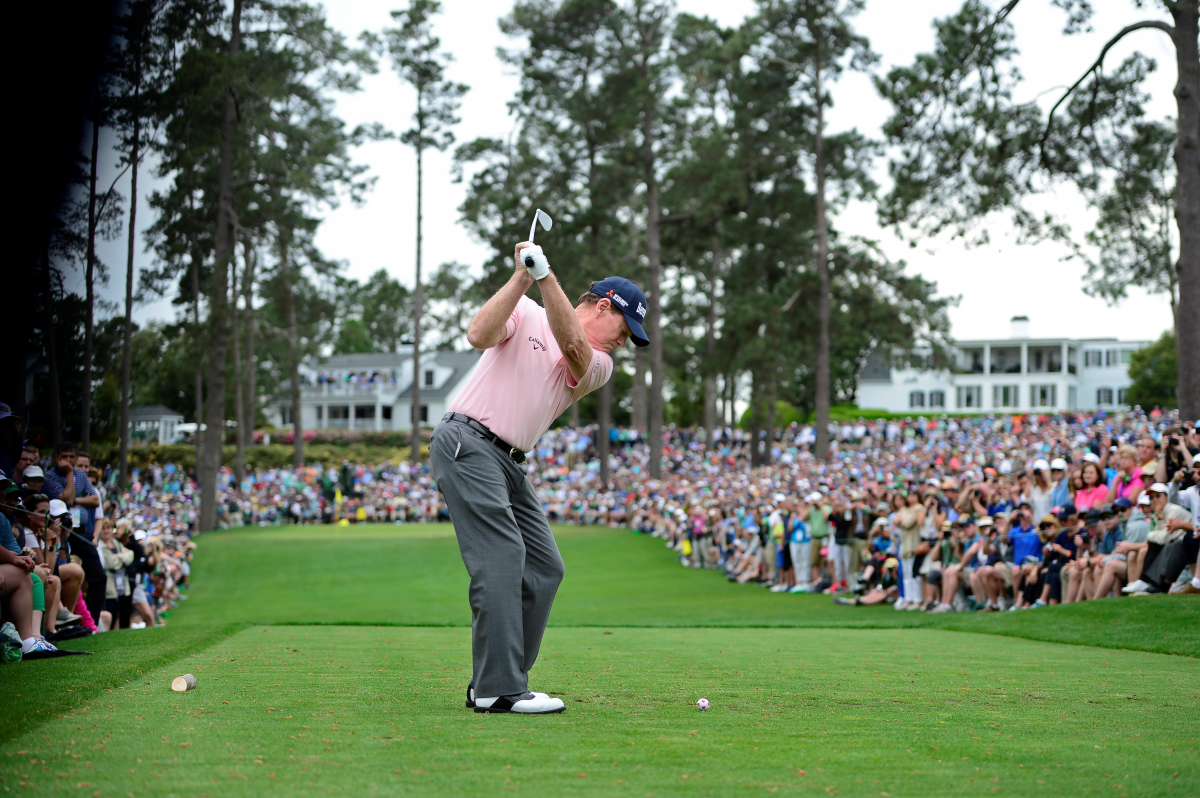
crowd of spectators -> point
(390, 377)
(946, 514)
(77, 558)
(938, 514)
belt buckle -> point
(516, 455)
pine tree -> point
(418, 60)
(966, 149)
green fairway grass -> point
(413, 575)
(333, 660)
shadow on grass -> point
(36, 690)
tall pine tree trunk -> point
(769, 402)
(730, 398)
(199, 375)
(654, 299)
(604, 423)
(239, 405)
(218, 304)
(415, 440)
(1187, 209)
(293, 345)
(85, 432)
(251, 361)
(823, 388)
(755, 418)
(127, 349)
(56, 430)
(638, 392)
(710, 351)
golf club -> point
(532, 257)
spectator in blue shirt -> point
(1026, 552)
(76, 492)
(71, 486)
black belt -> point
(514, 454)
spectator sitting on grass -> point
(137, 570)
(1125, 563)
(1059, 551)
(972, 544)
(1174, 535)
(1028, 554)
(992, 581)
(118, 604)
(1159, 512)
(40, 525)
(1083, 574)
(944, 552)
(72, 487)
(1076, 576)
(882, 590)
(16, 586)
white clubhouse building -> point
(1017, 374)
(374, 391)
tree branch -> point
(1149, 23)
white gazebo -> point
(153, 424)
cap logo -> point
(617, 298)
(641, 311)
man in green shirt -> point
(818, 524)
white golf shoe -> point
(471, 696)
(524, 704)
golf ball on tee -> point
(702, 704)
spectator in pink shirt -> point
(1094, 492)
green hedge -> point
(272, 456)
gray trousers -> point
(509, 552)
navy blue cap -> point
(1122, 503)
(625, 295)
(1066, 511)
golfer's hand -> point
(517, 256)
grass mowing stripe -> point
(37, 691)
(311, 710)
(412, 575)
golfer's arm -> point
(568, 332)
(487, 328)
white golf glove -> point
(535, 262)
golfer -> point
(537, 362)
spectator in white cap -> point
(1058, 475)
(1164, 528)
(34, 477)
(1171, 538)
(1042, 487)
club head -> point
(544, 218)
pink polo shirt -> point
(523, 383)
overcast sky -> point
(994, 282)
